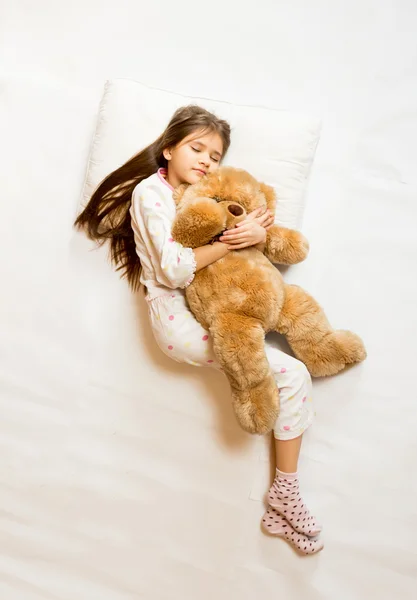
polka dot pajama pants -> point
(180, 336)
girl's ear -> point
(167, 153)
(179, 193)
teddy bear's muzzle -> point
(235, 213)
(235, 210)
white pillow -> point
(275, 146)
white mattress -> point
(124, 475)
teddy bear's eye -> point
(217, 199)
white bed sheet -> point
(123, 475)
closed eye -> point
(216, 160)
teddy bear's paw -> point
(298, 247)
(257, 409)
(286, 246)
(337, 350)
(351, 346)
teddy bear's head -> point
(217, 202)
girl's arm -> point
(206, 255)
(250, 232)
(174, 264)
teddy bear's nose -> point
(235, 210)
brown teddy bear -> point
(242, 296)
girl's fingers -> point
(257, 212)
(265, 219)
(266, 222)
(252, 216)
(242, 227)
(234, 235)
(246, 222)
(238, 240)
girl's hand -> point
(261, 216)
(250, 232)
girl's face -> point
(196, 155)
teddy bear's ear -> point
(269, 194)
(179, 193)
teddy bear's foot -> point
(334, 352)
(257, 408)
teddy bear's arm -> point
(285, 246)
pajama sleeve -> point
(174, 264)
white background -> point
(124, 475)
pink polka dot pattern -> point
(305, 398)
(284, 496)
(210, 361)
(205, 338)
(170, 240)
(171, 317)
(283, 370)
(158, 204)
(170, 347)
(275, 524)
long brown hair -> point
(107, 217)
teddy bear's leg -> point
(239, 344)
(323, 350)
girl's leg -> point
(181, 337)
(177, 332)
(296, 415)
(284, 494)
(287, 453)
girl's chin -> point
(194, 176)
